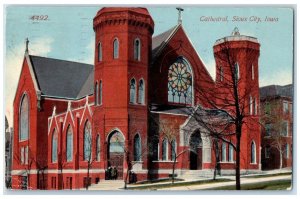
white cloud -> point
(13, 64)
(211, 68)
(277, 78)
(90, 50)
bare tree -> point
(229, 99)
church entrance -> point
(115, 156)
(195, 145)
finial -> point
(179, 14)
(27, 42)
(235, 32)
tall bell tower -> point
(238, 54)
(123, 43)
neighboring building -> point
(277, 110)
(68, 114)
(8, 153)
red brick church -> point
(134, 109)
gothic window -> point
(285, 107)
(252, 72)
(100, 92)
(54, 146)
(180, 82)
(250, 105)
(99, 52)
(230, 154)
(224, 152)
(141, 98)
(22, 155)
(69, 151)
(137, 148)
(284, 131)
(96, 94)
(165, 149)
(24, 118)
(237, 71)
(254, 105)
(221, 74)
(98, 147)
(132, 91)
(267, 151)
(253, 153)
(116, 48)
(173, 150)
(137, 49)
(87, 145)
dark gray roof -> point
(171, 109)
(276, 90)
(160, 40)
(63, 79)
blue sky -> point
(68, 34)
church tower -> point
(237, 64)
(123, 42)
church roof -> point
(63, 79)
(159, 41)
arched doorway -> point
(195, 144)
(115, 152)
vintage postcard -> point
(148, 98)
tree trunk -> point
(173, 170)
(237, 164)
(280, 154)
(125, 180)
(88, 178)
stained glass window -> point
(24, 118)
(137, 148)
(180, 82)
(132, 91)
(141, 92)
(54, 146)
(87, 145)
(116, 49)
(137, 49)
(69, 144)
(116, 143)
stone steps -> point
(196, 174)
(108, 185)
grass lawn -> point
(268, 175)
(159, 186)
(273, 185)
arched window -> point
(252, 70)
(230, 154)
(69, 151)
(99, 52)
(87, 145)
(116, 49)
(237, 71)
(137, 49)
(96, 94)
(100, 92)
(224, 156)
(254, 105)
(141, 98)
(250, 105)
(253, 153)
(132, 91)
(54, 146)
(98, 147)
(173, 150)
(180, 82)
(24, 118)
(165, 149)
(221, 74)
(137, 148)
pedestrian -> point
(109, 172)
(116, 173)
(113, 173)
